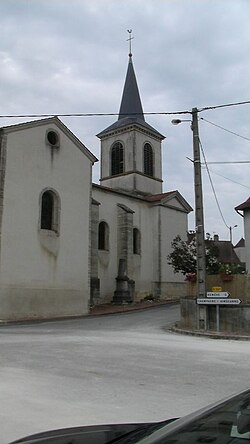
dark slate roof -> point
(240, 244)
(131, 102)
(130, 121)
(131, 111)
(226, 252)
(244, 205)
(225, 249)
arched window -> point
(103, 236)
(148, 160)
(117, 159)
(136, 241)
(50, 211)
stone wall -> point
(233, 319)
(238, 287)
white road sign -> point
(218, 294)
(206, 301)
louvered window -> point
(148, 160)
(117, 159)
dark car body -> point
(226, 422)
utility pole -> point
(199, 222)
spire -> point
(131, 111)
(131, 103)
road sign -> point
(216, 289)
(215, 301)
(218, 294)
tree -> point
(183, 256)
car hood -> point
(99, 434)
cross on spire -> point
(129, 40)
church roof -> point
(131, 111)
(154, 199)
(56, 121)
(166, 198)
(159, 197)
(131, 102)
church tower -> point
(130, 148)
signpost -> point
(217, 298)
(218, 294)
(218, 301)
(216, 289)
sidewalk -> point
(211, 334)
(104, 309)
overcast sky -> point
(61, 56)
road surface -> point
(115, 368)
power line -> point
(206, 108)
(9, 116)
(227, 178)
(212, 185)
(225, 129)
(167, 113)
(228, 162)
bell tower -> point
(131, 157)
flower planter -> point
(191, 277)
(226, 277)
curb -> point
(110, 309)
(99, 310)
(211, 335)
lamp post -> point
(199, 219)
(231, 233)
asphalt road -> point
(115, 368)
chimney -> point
(216, 237)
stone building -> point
(63, 238)
(45, 180)
(136, 220)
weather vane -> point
(129, 40)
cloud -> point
(60, 56)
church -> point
(67, 243)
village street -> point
(114, 368)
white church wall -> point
(142, 265)
(174, 223)
(150, 266)
(44, 274)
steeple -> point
(131, 103)
(130, 147)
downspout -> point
(2, 177)
(159, 255)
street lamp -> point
(231, 233)
(199, 218)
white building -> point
(62, 240)
(137, 221)
(45, 191)
(244, 210)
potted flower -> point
(191, 277)
(226, 272)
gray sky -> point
(59, 57)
